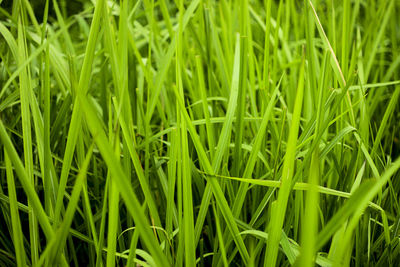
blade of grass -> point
(25, 87)
(18, 239)
(188, 217)
(243, 84)
(297, 186)
(278, 215)
(113, 207)
(335, 63)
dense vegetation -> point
(210, 133)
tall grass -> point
(210, 133)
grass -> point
(209, 133)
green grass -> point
(209, 133)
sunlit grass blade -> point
(278, 214)
(25, 87)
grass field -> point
(199, 133)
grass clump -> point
(210, 133)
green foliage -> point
(210, 133)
